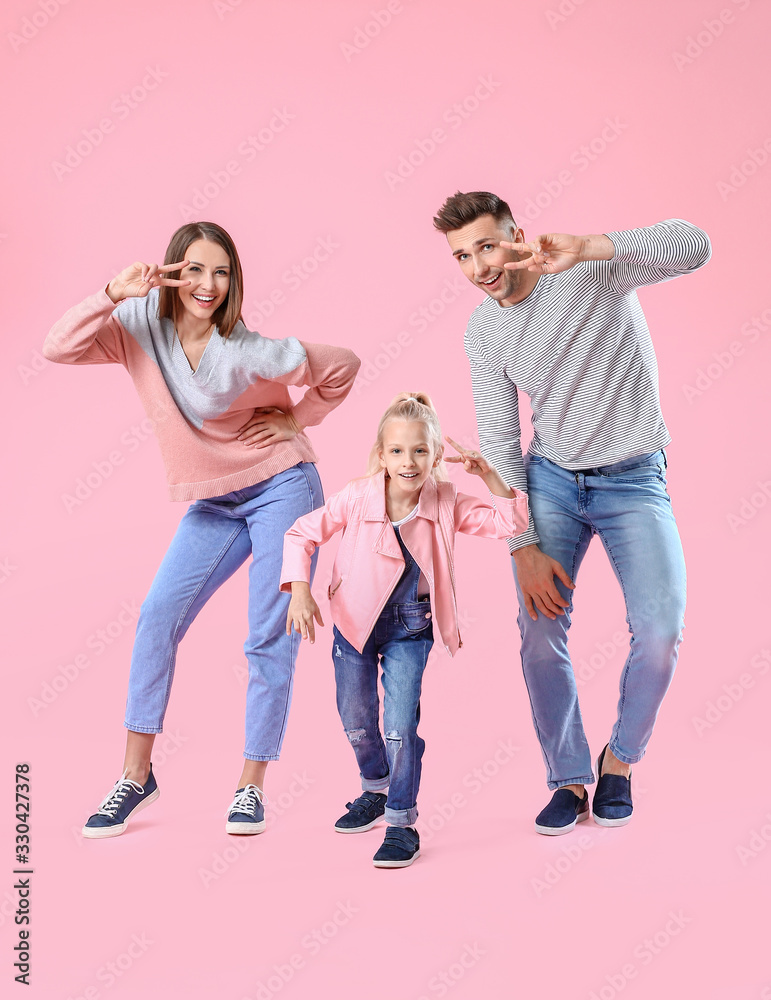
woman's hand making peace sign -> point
(136, 280)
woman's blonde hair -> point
(411, 406)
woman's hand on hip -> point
(268, 425)
(136, 280)
(302, 612)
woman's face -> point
(208, 271)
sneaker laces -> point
(112, 802)
(246, 800)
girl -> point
(393, 590)
(233, 443)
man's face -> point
(481, 259)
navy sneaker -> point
(562, 813)
(612, 804)
(399, 849)
(246, 813)
(125, 800)
(363, 813)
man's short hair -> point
(460, 209)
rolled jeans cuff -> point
(554, 785)
(375, 784)
(401, 817)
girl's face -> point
(407, 455)
(208, 271)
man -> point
(562, 322)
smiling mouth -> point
(408, 475)
(491, 282)
(204, 300)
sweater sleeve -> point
(497, 409)
(330, 372)
(87, 334)
(307, 533)
(652, 254)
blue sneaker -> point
(363, 813)
(246, 813)
(125, 800)
(562, 813)
(612, 804)
(399, 849)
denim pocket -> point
(638, 474)
(415, 619)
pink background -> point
(491, 909)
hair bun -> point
(420, 397)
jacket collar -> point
(375, 505)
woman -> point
(233, 443)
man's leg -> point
(631, 511)
(551, 685)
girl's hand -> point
(269, 425)
(136, 280)
(302, 611)
(473, 462)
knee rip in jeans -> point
(355, 735)
(395, 739)
(338, 651)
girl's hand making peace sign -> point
(136, 280)
(477, 465)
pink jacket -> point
(369, 561)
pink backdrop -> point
(324, 137)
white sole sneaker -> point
(559, 831)
(397, 864)
(102, 832)
(245, 828)
(361, 829)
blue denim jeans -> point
(401, 640)
(628, 506)
(214, 538)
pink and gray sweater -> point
(198, 414)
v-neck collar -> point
(205, 362)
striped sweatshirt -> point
(197, 415)
(579, 346)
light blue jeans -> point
(628, 506)
(213, 539)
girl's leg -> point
(271, 509)
(136, 763)
(403, 661)
(359, 707)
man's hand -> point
(555, 252)
(267, 426)
(535, 573)
(302, 611)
